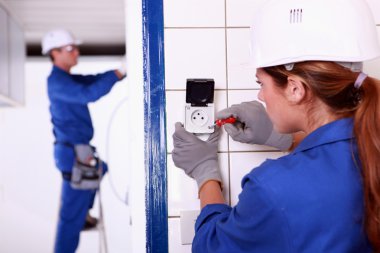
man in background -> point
(77, 160)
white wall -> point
(12, 54)
(29, 181)
(134, 41)
(210, 39)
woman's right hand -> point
(253, 126)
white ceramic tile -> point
(188, 219)
(175, 112)
(194, 13)
(174, 230)
(239, 75)
(183, 190)
(194, 53)
(372, 67)
(241, 164)
(375, 8)
(224, 169)
(240, 12)
(239, 96)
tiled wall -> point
(210, 39)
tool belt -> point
(87, 170)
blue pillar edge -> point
(154, 127)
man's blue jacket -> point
(69, 95)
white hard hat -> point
(288, 31)
(57, 38)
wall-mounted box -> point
(12, 60)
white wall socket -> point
(187, 223)
(199, 119)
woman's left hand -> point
(197, 158)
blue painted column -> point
(154, 127)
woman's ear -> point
(295, 91)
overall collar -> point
(337, 130)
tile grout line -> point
(227, 91)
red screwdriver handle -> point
(221, 122)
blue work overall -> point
(308, 201)
(69, 95)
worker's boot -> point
(90, 223)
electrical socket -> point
(199, 119)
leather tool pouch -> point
(87, 168)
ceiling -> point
(100, 24)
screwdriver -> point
(221, 122)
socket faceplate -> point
(199, 119)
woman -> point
(325, 195)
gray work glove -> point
(197, 158)
(253, 126)
(85, 154)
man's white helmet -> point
(288, 31)
(57, 38)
